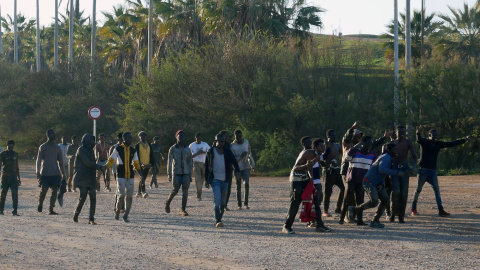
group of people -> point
(383, 178)
(88, 162)
(352, 166)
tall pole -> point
(38, 37)
(94, 28)
(55, 61)
(15, 42)
(1, 33)
(396, 96)
(423, 31)
(408, 37)
(70, 35)
(150, 25)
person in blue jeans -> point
(429, 149)
(218, 175)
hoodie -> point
(85, 166)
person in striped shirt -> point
(360, 158)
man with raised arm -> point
(429, 149)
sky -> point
(345, 16)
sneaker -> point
(199, 199)
(341, 222)
(183, 213)
(144, 195)
(14, 214)
(75, 218)
(117, 216)
(376, 224)
(122, 211)
(91, 222)
(288, 230)
(246, 207)
(74, 190)
(239, 208)
(322, 229)
(443, 213)
(401, 220)
(312, 224)
(138, 195)
(227, 209)
(39, 208)
(326, 214)
(351, 214)
(391, 219)
(219, 224)
(414, 212)
(53, 213)
(126, 220)
(167, 208)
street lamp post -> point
(396, 96)
(38, 37)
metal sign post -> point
(94, 113)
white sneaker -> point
(219, 224)
(144, 195)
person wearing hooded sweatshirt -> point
(84, 176)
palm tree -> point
(460, 34)
(430, 27)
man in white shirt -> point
(199, 150)
(242, 152)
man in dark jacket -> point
(84, 176)
(218, 174)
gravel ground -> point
(251, 239)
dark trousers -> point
(399, 193)
(354, 195)
(296, 191)
(374, 193)
(12, 184)
(143, 178)
(183, 181)
(245, 175)
(92, 193)
(333, 178)
(155, 171)
(429, 176)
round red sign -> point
(94, 112)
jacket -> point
(359, 164)
(230, 162)
(179, 160)
(85, 166)
(380, 169)
(126, 158)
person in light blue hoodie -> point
(374, 185)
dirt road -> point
(251, 239)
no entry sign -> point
(94, 112)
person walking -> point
(158, 157)
(331, 174)
(179, 170)
(84, 177)
(126, 159)
(199, 150)
(10, 177)
(218, 172)
(71, 153)
(145, 157)
(50, 171)
(101, 154)
(243, 153)
(429, 150)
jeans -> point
(354, 195)
(11, 183)
(143, 178)
(400, 193)
(374, 193)
(125, 187)
(84, 191)
(245, 175)
(183, 181)
(52, 182)
(333, 178)
(429, 176)
(199, 174)
(219, 198)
